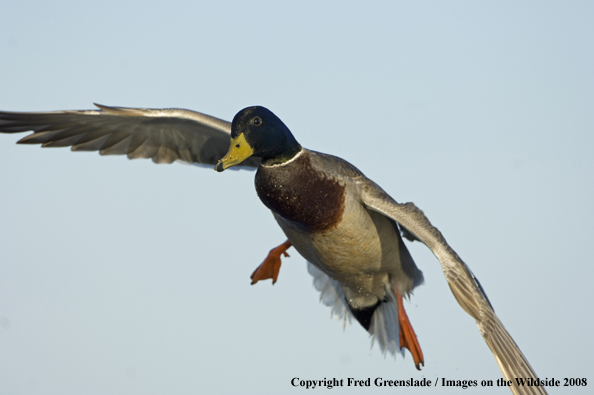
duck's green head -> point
(256, 131)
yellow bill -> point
(239, 150)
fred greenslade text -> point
(350, 382)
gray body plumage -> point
(363, 251)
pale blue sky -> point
(124, 277)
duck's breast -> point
(304, 196)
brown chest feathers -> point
(301, 194)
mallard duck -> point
(348, 229)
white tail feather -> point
(330, 294)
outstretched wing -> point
(464, 285)
(164, 135)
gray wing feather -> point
(163, 135)
(466, 289)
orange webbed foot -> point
(408, 338)
(271, 265)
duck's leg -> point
(408, 338)
(271, 265)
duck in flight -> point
(348, 228)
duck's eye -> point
(257, 121)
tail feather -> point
(384, 323)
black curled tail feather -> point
(364, 315)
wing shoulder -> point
(334, 166)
